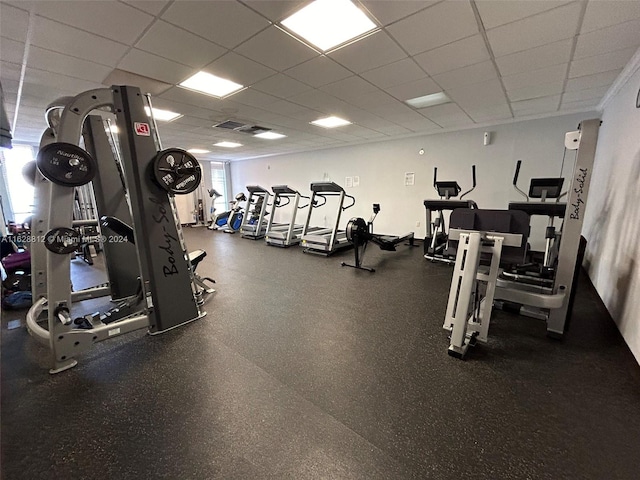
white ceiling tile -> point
(592, 81)
(176, 44)
(11, 51)
(467, 51)
(275, 10)
(192, 99)
(608, 39)
(602, 14)
(71, 41)
(460, 77)
(478, 95)
(348, 88)
(152, 66)
(74, 67)
(69, 85)
(588, 94)
(252, 97)
(394, 74)
(438, 25)
(601, 63)
(499, 12)
(416, 88)
(98, 18)
(10, 71)
(239, 69)
(536, 105)
(490, 113)
(530, 32)
(536, 91)
(386, 11)
(579, 105)
(281, 85)
(394, 130)
(534, 58)
(14, 23)
(277, 49)
(556, 73)
(154, 7)
(447, 115)
(388, 109)
(370, 52)
(225, 23)
(372, 98)
(315, 99)
(318, 71)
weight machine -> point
(151, 277)
(360, 233)
(486, 232)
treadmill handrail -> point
(353, 202)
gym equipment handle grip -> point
(515, 177)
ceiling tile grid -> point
(497, 60)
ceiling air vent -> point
(241, 127)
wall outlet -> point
(417, 224)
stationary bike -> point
(231, 219)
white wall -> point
(382, 166)
(612, 220)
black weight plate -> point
(62, 240)
(66, 164)
(177, 171)
(18, 282)
(29, 172)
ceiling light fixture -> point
(331, 122)
(162, 115)
(428, 100)
(329, 23)
(269, 135)
(198, 150)
(210, 84)
(227, 144)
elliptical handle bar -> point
(515, 180)
(473, 176)
(435, 176)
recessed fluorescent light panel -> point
(197, 150)
(227, 144)
(162, 115)
(428, 100)
(329, 23)
(331, 122)
(269, 135)
(210, 84)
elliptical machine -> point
(435, 243)
(540, 271)
(232, 218)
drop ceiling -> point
(499, 61)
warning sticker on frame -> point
(142, 129)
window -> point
(219, 184)
(21, 193)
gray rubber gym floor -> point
(303, 369)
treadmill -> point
(285, 235)
(326, 242)
(254, 224)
